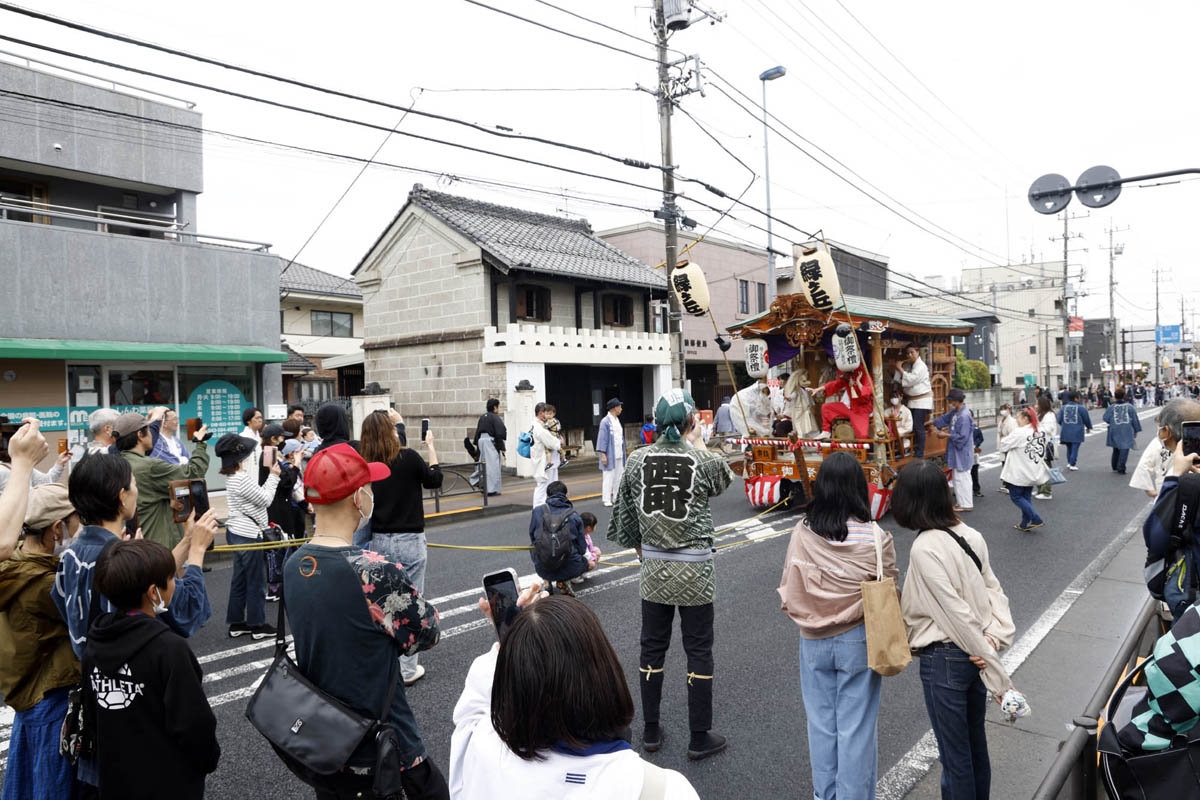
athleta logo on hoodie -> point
(114, 694)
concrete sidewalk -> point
(1059, 663)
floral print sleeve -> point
(394, 603)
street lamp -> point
(769, 75)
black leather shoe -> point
(706, 744)
(652, 738)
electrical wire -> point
(849, 182)
(925, 86)
(718, 142)
(562, 32)
(280, 79)
(533, 89)
(387, 137)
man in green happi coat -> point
(662, 511)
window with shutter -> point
(533, 303)
(618, 310)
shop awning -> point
(80, 350)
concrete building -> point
(321, 319)
(736, 273)
(115, 297)
(1095, 346)
(465, 300)
(982, 344)
(1028, 300)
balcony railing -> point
(108, 220)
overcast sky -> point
(1019, 89)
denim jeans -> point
(35, 769)
(957, 704)
(1022, 497)
(1119, 458)
(248, 587)
(1072, 452)
(409, 551)
(841, 701)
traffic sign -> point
(1169, 334)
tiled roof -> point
(527, 240)
(890, 310)
(301, 278)
(296, 362)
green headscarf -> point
(672, 413)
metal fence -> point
(456, 482)
(1074, 775)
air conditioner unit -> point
(957, 340)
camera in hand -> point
(1191, 438)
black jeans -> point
(920, 416)
(422, 782)
(696, 625)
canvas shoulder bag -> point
(314, 732)
(888, 652)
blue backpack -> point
(977, 436)
(525, 444)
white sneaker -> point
(1073, 468)
(1043, 497)
(607, 504)
(1003, 490)
(416, 676)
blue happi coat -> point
(1123, 423)
(960, 448)
(1073, 420)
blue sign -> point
(219, 404)
(1169, 334)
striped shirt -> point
(857, 533)
(248, 503)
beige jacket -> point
(946, 599)
(821, 585)
(544, 450)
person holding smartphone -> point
(505, 734)
(248, 503)
(1172, 530)
(352, 613)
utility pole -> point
(1157, 357)
(1066, 314)
(670, 212)
(1114, 250)
(1122, 367)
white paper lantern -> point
(845, 349)
(756, 358)
(817, 276)
(690, 287)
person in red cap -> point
(352, 614)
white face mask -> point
(159, 606)
(363, 514)
(1004, 412)
(895, 401)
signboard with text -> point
(1169, 334)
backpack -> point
(525, 444)
(977, 436)
(552, 547)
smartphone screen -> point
(1191, 438)
(200, 497)
(424, 428)
(268, 457)
(182, 495)
(502, 591)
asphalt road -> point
(757, 690)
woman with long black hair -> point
(832, 551)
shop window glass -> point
(84, 385)
(217, 395)
(140, 390)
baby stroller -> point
(1145, 775)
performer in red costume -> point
(861, 390)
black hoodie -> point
(333, 426)
(156, 735)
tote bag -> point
(887, 640)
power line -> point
(533, 89)
(346, 191)
(924, 86)
(719, 143)
(281, 79)
(843, 178)
(561, 31)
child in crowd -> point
(560, 547)
(593, 553)
(554, 425)
(143, 685)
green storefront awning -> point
(80, 350)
